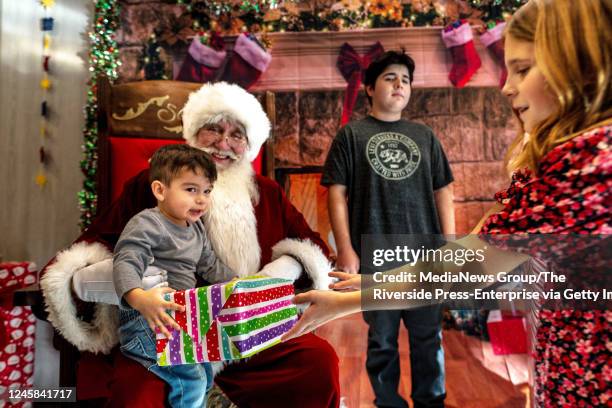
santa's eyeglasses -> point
(214, 133)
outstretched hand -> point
(327, 305)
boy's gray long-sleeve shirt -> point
(149, 238)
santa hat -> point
(223, 98)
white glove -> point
(285, 267)
(94, 283)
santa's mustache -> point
(218, 152)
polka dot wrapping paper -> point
(17, 332)
(228, 321)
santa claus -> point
(253, 228)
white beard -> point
(230, 221)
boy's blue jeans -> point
(426, 356)
(189, 383)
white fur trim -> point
(252, 53)
(101, 334)
(457, 36)
(285, 266)
(493, 35)
(205, 55)
(311, 257)
(221, 97)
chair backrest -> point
(134, 120)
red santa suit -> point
(250, 223)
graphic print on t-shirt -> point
(393, 156)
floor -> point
(475, 377)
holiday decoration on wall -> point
(248, 60)
(205, 57)
(459, 40)
(234, 17)
(17, 331)
(352, 66)
(46, 27)
(492, 39)
(103, 60)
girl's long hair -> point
(573, 50)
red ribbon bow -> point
(352, 66)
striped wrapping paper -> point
(228, 321)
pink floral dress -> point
(572, 195)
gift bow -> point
(352, 66)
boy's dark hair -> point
(377, 67)
(168, 161)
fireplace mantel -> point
(307, 60)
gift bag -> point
(228, 321)
(507, 333)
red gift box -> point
(16, 275)
(17, 330)
(507, 333)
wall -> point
(474, 125)
(36, 222)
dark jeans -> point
(426, 356)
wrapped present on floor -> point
(228, 321)
(507, 333)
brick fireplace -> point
(474, 124)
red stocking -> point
(492, 39)
(458, 39)
(202, 62)
(248, 61)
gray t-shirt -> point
(391, 170)
(149, 238)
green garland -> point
(103, 59)
(279, 16)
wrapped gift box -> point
(228, 321)
(17, 329)
(16, 275)
(507, 333)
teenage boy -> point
(387, 175)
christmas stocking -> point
(458, 39)
(202, 62)
(492, 39)
(246, 64)
(352, 67)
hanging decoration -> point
(204, 59)
(492, 39)
(46, 27)
(352, 66)
(458, 38)
(103, 60)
